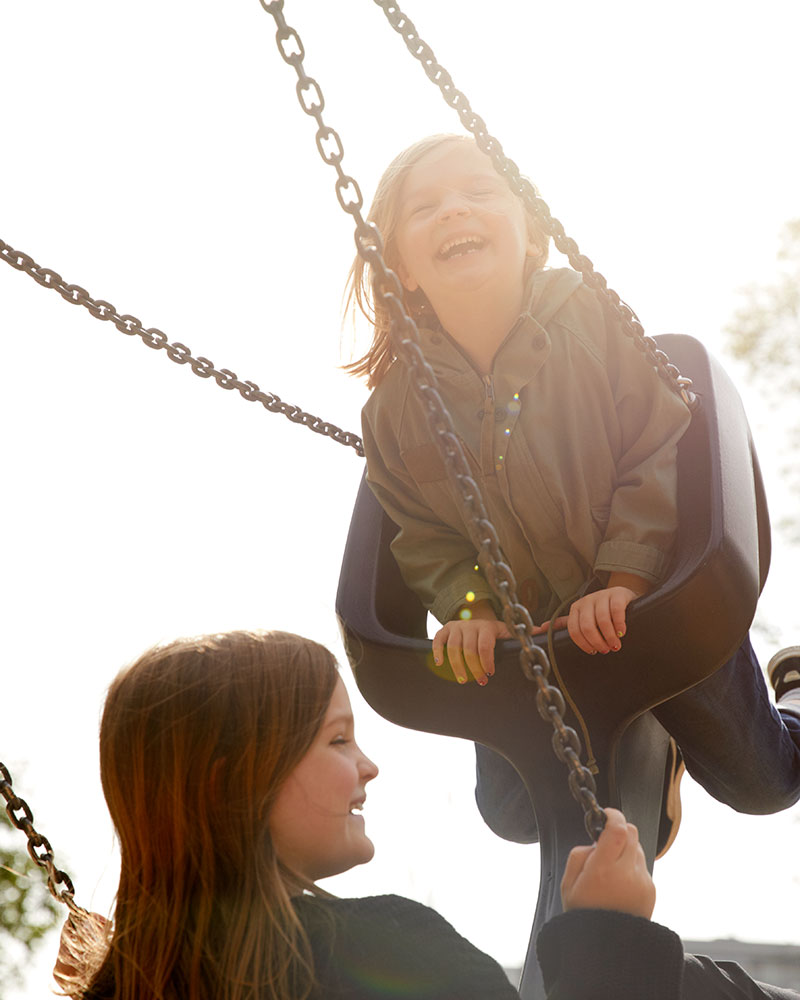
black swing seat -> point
(677, 636)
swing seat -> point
(677, 636)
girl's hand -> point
(596, 622)
(470, 646)
(611, 874)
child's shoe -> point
(784, 675)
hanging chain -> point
(405, 336)
(38, 846)
(522, 187)
(177, 352)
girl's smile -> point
(460, 227)
(316, 822)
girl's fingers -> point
(605, 624)
(486, 641)
(456, 659)
(619, 605)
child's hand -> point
(611, 874)
(596, 622)
(471, 642)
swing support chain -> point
(177, 352)
(525, 190)
(39, 848)
(405, 336)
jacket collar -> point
(525, 348)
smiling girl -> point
(572, 438)
(233, 777)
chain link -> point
(405, 337)
(177, 352)
(39, 847)
(523, 188)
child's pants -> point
(734, 743)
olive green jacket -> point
(572, 440)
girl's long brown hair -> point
(196, 739)
(360, 290)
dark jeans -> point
(734, 742)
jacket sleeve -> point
(436, 560)
(650, 420)
(604, 955)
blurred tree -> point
(27, 910)
(765, 334)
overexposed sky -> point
(155, 153)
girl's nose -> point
(368, 769)
(453, 204)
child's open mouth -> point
(459, 246)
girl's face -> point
(459, 225)
(316, 822)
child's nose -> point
(453, 204)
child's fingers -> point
(456, 659)
(613, 841)
(576, 862)
(438, 645)
(486, 640)
(583, 629)
(471, 654)
(605, 621)
(619, 604)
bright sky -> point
(155, 154)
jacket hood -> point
(547, 291)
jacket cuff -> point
(607, 955)
(620, 556)
(451, 598)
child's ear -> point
(410, 284)
(532, 249)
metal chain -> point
(405, 337)
(38, 846)
(506, 167)
(177, 352)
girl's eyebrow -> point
(345, 718)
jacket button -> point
(539, 342)
(499, 413)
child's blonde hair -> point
(384, 213)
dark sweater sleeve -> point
(381, 946)
(603, 955)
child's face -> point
(316, 822)
(459, 225)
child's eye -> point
(339, 741)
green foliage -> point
(765, 334)
(27, 910)
(765, 330)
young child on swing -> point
(572, 438)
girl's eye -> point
(339, 741)
(421, 208)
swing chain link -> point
(177, 352)
(405, 336)
(39, 848)
(525, 190)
